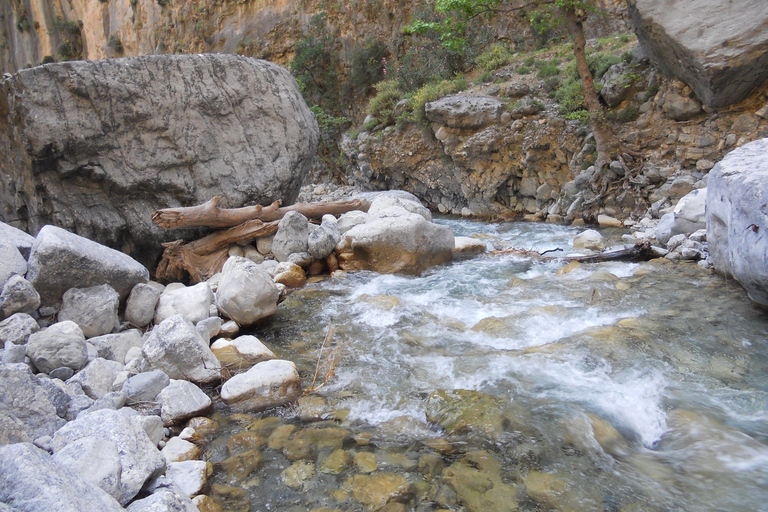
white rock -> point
(97, 377)
(246, 292)
(244, 350)
(145, 387)
(17, 328)
(590, 239)
(11, 262)
(94, 309)
(291, 236)
(177, 450)
(351, 219)
(267, 384)
(61, 344)
(116, 346)
(190, 475)
(468, 245)
(141, 304)
(193, 302)
(97, 461)
(18, 296)
(181, 400)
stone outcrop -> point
(718, 48)
(737, 220)
(97, 146)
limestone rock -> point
(177, 348)
(291, 237)
(246, 292)
(404, 243)
(718, 48)
(290, 275)
(194, 302)
(617, 84)
(688, 216)
(244, 350)
(17, 328)
(181, 400)
(94, 309)
(97, 377)
(351, 219)
(18, 296)
(375, 491)
(115, 346)
(61, 344)
(140, 307)
(61, 260)
(735, 226)
(680, 108)
(17, 238)
(468, 245)
(323, 239)
(202, 130)
(31, 480)
(166, 497)
(95, 460)
(389, 204)
(191, 476)
(27, 410)
(11, 262)
(140, 460)
(461, 111)
(267, 384)
(145, 387)
(177, 450)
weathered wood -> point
(205, 257)
(641, 251)
(210, 215)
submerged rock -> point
(202, 130)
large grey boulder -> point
(462, 111)
(718, 48)
(18, 296)
(194, 302)
(177, 348)
(246, 293)
(61, 344)
(61, 260)
(395, 241)
(291, 237)
(181, 400)
(268, 384)
(688, 216)
(32, 482)
(95, 460)
(140, 460)
(737, 220)
(16, 237)
(97, 377)
(17, 328)
(11, 262)
(26, 409)
(149, 132)
(94, 309)
(322, 239)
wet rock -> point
(242, 351)
(94, 309)
(297, 473)
(145, 387)
(290, 275)
(115, 347)
(181, 400)
(608, 221)
(28, 410)
(239, 467)
(141, 303)
(735, 227)
(258, 148)
(139, 459)
(230, 498)
(291, 237)
(32, 481)
(267, 384)
(11, 262)
(97, 377)
(176, 348)
(462, 111)
(375, 491)
(589, 239)
(17, 238)
(177, 450)
(476, 479)
(688, 216)
(468, 245)
(18, 328)
(191, 476)
(717, 48)
(18, 296)
(61, 344)
(246, 294)
(61, 260)
(336, 462)
(557, 492)
(193, 302)
(96, 461)
(365, 462)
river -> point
(610, 386)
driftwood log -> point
(210, 215)
(641, 251)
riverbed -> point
(503, 381)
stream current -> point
(609, 386)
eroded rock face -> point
(737, 220)
(718, 48)
(98, 145)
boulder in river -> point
(268, 384)
(246, 293)
(181, 400)
(718, 48)
(737, 220)
(195, 126)
(687, 217)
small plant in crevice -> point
(23, 24)
(115, 43)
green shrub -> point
(68, 51)
(368, 63)
(522, 70)
(485, 77)
(569, 95)
(116, 43)
(600, 62)
(48, 59)
(382, 104)
(499, 55)
(625, 115)
(547, 70)
(529, 61)
(62, 26)
(460, 83)
(371, 124)
(422, 62)
(315, 67)
(23, 24)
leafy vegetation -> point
(23, 24)
(499, 55)
(315, 65)
(382, 105)
(368, 64)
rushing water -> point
(638, 386)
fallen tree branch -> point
(210, 215)
(641, 251)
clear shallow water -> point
(642, 383)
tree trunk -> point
(606, 142)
